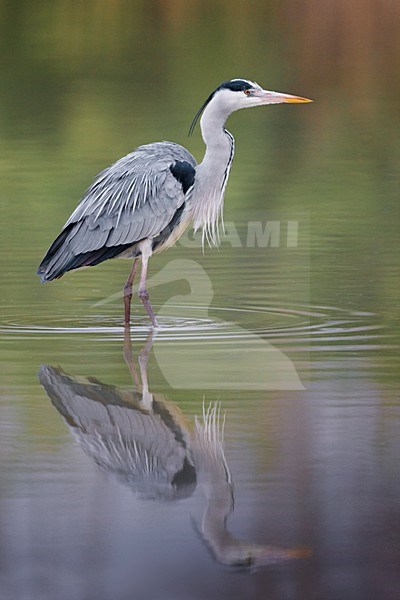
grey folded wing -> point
(133, 200)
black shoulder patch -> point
(184, 172)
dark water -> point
(250, 447)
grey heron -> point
(142, 204)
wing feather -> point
(132, 200)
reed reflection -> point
(145, 442)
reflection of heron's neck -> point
(214, 477)
(219, 505)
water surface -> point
(112, 483)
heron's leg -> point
(143, 293)
(143, 358)
(128, 291)
(129, 357)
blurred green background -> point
(85, 83)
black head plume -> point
(200, 112)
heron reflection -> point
(139, 439)
(147, 443)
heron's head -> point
(241, 93)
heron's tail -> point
(55, 263)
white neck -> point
(212, 173)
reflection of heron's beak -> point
(267, 97)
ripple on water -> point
(314, 328)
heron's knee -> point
(127, 290)
(143, 294)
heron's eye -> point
(247, 92)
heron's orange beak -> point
(296, 99)
(267, 97)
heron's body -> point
(143, 203)
(136, 200)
